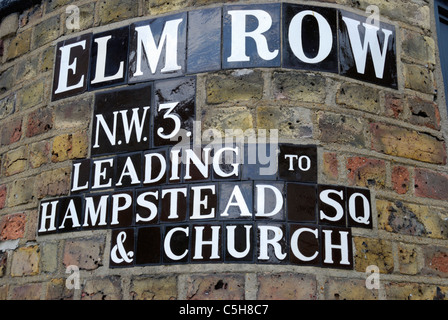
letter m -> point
(147, 43)
(371, 41)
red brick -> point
(39, 121)
(424, 113)
(400, 179)
(2, 196)
(11, 131)
(330, 167)
(436, 261)
(85, 253)
(366, 172)
(12, 226)
(394, 106)
(431, 184)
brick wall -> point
(390, 141)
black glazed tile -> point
(331, 205)
(109, 58)
(245, 52)
(174, 113)
(260, 161)
(272, 245)
(122, 209)
(122, 253)
(206, 243)
(356, 62)
(269, 201)
(148, 246)
(128, 170)
(171, 56)
(304, 244)
(310, 38)
(121, 120)
(174, 204)
(204, 40)
(236, 200)
(336, 247)
(48, 214)
(102, 173)
(80, 181)
(239, 242)
(70, 213)
(197, 164)
(176, 244)
(203, 201)
(359, 208)
(71, 67)
(156, 166)
(147, 205)
(301, 202)
(96, 207)
(297, 163)
(227, 162)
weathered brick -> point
(291, 122)
(370, 251)
(154, 288)
(3, 262)
(431, 184)
(156, 7)
(70, 146)
(15, 161)
(3, 195)
(86, 18)
(54, 182)
(415, 13)
(12, 226)
(341, 129)
(74, 113)
(401, 142)
(412, 219)
(393, 106)
(7, 106)
(102, 289)
(424, 113)
(30, 291)
(330, 167)
(286, 286)
(49, 257)
(11, 131)
(359, 97)
(39, 121)
(435, 261)
(215, 287)
(400, 179)
(366, 172)
(345, 289)
(6, 80)
(408, 258)
(57, 290)
(39, 154)
(27, 69)
(299, 86)
(31, 95)
(46, 31)
(418, 47)
(25, 261)
(21, 191)
(9, 25)
(47, 59)
(87, 254)
(234, 86)
(419, 78)
(116, 10)
(30, 15)
(56, 4)
(415, 291)
(19, 45)
(222, 119)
